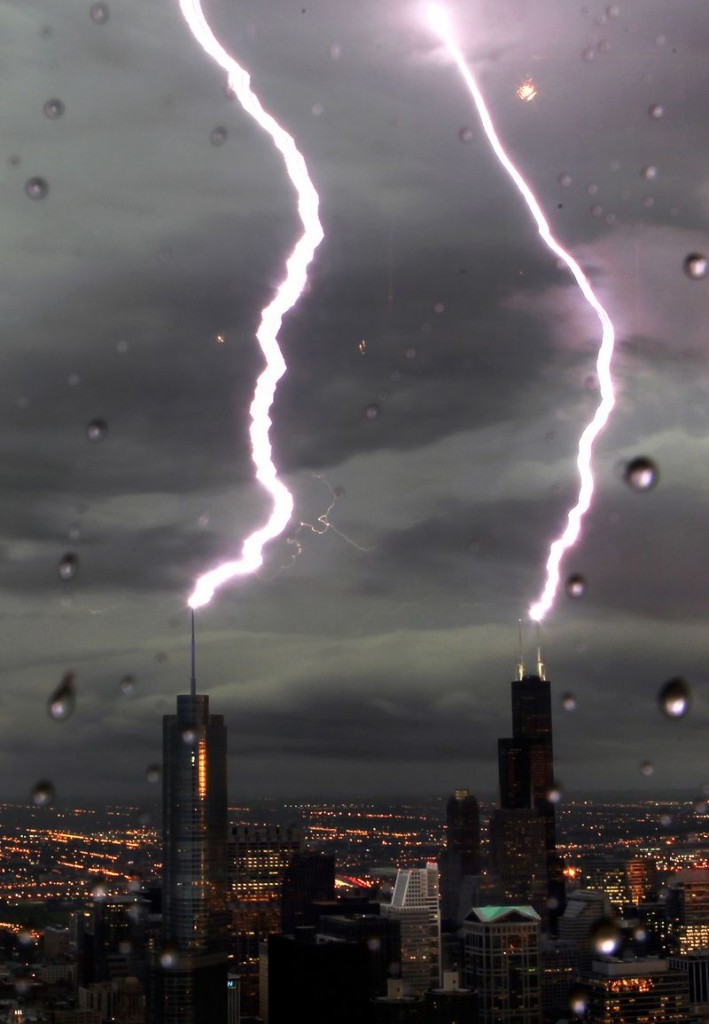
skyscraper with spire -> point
(190, 975)
(526, 772)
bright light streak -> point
(288, 293)
(441, 24)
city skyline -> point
(440, 372)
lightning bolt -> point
(441, 25)
(288, 293)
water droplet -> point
(73, 380)
(372, 411)
(665, 820)
(36, 188)
(656, 111)
(410, 352)
(14, 161)
(99, 891)
(317, 109)
(99, 13)
(700, 806)
(554, 793)
(605, 937)
(189, 737)
(43, 793)
(597, 210)
(604, 46)
(589, 54)
(576, 585)
(647, 768)
(53, 109)
(169, 958)
(696, 266)
(660, 40)
(62, 702)
(338, 493)
(641, 474)
(578, 1000)
(127, 685)
(565, 180)
(465, 134)
(649, 173)
(613, 11)
(218, 136)
(439, 308)
(122, 347)
(152, 773)
(592, 189)
(96, 430)
(648, 202)
(568, 701)
(68, 566)
(674, 698)
(74, 532)
(335, 51)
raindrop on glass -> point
(127, 685)
(589, 54)
(99, 13)
(604, 937)
(465, 134)
(597, 210)
(62, 702)
(592, 189)
(218, 136)
(578, 1000)
(74, 532)
(372, 411)
(152, 773)
(169, 958)
(696, 266)
(439, 308)
(576, 585)
(568, 701)
(665, 820)
(604, 46)
(73, 380)
(53, 109)
(641, 474)
(554, 793)
(24, 937)
(674, 698)
(36, 188)
(410, 353)
(656, 111)
(335, 51)
(648, 202)
(43, 793)
(565, 179)
(189, 737)
(96, 430)
(649, 173)
(613, 11)
(99, 891)
(68, 566)
(647, 768)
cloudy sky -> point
(441, 369)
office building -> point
(646, 991)
(526, 774)
(503, 963)
(189, 979)
(461, 857)
(415, 905)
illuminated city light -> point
(288, 293)
(570, 534)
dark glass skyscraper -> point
(526, 769)
(190, 977)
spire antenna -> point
(540, 663)
(193, 678)
(520, 657)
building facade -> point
(503, 963)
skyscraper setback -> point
(526, 772)
(190, 977)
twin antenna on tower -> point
(520, 656)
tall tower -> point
(526, 767)
(415, 904)
(190, 979)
